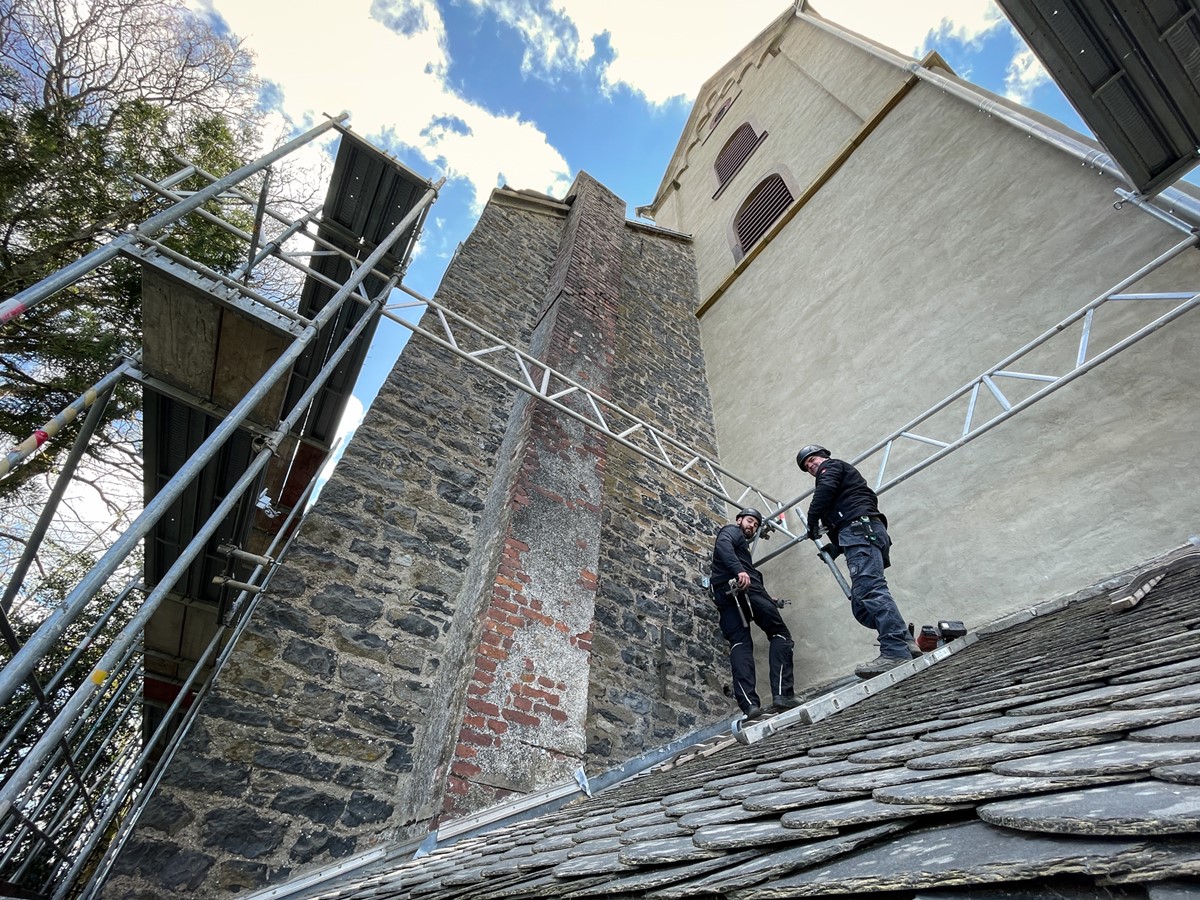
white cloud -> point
(914, 28)
(668, 48)
(552, 40)
(1025, 74)
(393, 80)
(390, 82)
(352, 417)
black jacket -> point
(731, 555)
(841, 494)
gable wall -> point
(947, 241)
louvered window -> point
(765, 204)
(735, 152)
(721, 113)
(739, 148)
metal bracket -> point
(581, 779)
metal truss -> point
(513, 365)
(475, 344)
(1064, 352)
(525, 372)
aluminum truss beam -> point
(1075, 345)
(525, 372)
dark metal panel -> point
(173, 432)
(369, 194)
(1131, 68)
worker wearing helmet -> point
(850, 510)
(732, 562)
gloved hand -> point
(814, 533)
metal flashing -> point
(1131, 70)
(831, 704)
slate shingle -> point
(1063, 759)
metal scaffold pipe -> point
(222, 645)
(21, 666)
(252, 589)
(64, 277)
(27, 447)
(124, 641)
(37, 755)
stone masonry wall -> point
(659, 663)
(358, 684)
(314, 744)
(523, 725)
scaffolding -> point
(75, 779)
(242, 393)
(231, 427)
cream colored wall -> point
(807, 123)
(948, 241)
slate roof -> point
(1058, 757)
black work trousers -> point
(764, 613)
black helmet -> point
(750, 511)
(811, 450)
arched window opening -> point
(735, 152)
(766, 203)
(720, 114)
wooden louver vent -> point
(720, 113)
(764, 205)
(735, 151)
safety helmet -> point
(811, 450)
(750, 511)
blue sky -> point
(530, 92)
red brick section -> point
(527, 696)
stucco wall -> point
(947, 241)
(811, 93)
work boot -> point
(791, 701)
(879, 665)
(913, 650)
(753, 712)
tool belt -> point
(869, 527)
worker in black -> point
(732, 562)
(850, 510)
